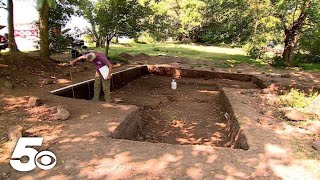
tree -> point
(43, 8)
(175, 18)
(294, 16)
(86, 9)
(118, 17)
(11, 40)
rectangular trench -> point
(135, 125)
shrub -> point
(298, 99)
(278, 61)
(253, 51)
(145, 38)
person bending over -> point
(99, 60)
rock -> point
(265, 121)
(47, 82)
(15, 132)
(287, 75)
(53, 109)
(295, 115)
(148, 136)
(270, 99)
(34, 101)
(212, 69)
(314, 127)
(8, 85)
(316, 145)
(140, 138)
(239, 71)
(62, 114)
(273, 88)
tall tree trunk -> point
(98, 43)
(44, 30)
(107, 46)
(290, 43)
(11, 40)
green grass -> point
(223, 57)
(310, 67)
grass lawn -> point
(223, 57)
(311, 67)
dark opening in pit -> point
(198, 112)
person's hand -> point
(109, 76)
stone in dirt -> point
(8, 85)
(34, 101)
(212, 69)
(295, 115)
(270, 99)
(316, 145)
(314, 127)
(15, 132)
(47, 81)
(53, 109)
(62, 114)
(287, 75)
(265, 121)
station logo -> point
(44, 160)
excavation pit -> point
(198, 112)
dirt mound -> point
(22, 68)
(126, 56)
(141, 57)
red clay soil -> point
(85, 150)
(192, 114)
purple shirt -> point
(100, 60)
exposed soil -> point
(192, 114)
(85, 151)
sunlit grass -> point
(221, 56)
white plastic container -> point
(173, 84)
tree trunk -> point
(98, 44)
(107, 46)
(289, 46)
(44, 30)
(292, 35)
(11, 40)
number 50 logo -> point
(45, 159)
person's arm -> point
(110, 71)
(83, 57)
